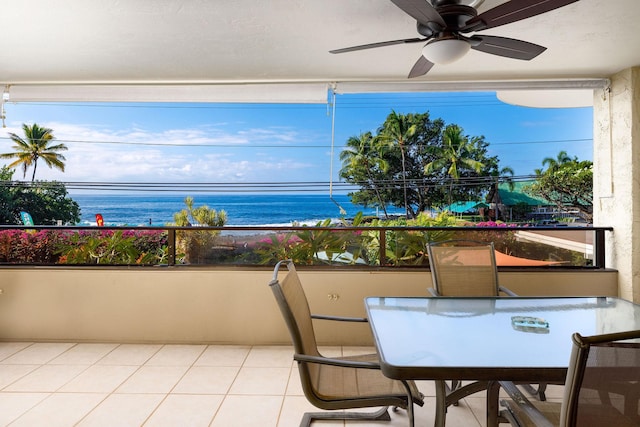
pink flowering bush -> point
(83, 247)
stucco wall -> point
(173, 305)
(616, 160)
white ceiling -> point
(239, 41)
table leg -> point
(441, 403)
(493, 391)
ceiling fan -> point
(442, 24)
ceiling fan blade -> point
(379, 44)
(421, 11)
(503, 46)
(421, 67)
(512, 11)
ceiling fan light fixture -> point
(445, 51)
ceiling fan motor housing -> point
(454, 15)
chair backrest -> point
(463, 268)
(603, 381)
(294, 306)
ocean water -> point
(245, 209)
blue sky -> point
(276, 143)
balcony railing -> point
(380, 247)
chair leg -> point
(455, 384)
(381, 415)
(539, 392)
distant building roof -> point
(512, 198)
(462, 207)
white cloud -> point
(197, 154)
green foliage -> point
(315, 246)
(312, 246)
(567, 182)
(83, 247)
(391, 163)
(408, 247)
(197, 245)
(112, 248)
(200, 216)
(46, 201)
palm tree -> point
(35, 146)
(453, 157)
(561, 159)
(506, 174)
(397, 129)
(363, 153)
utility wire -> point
(267, 187)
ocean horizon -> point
(241, 209)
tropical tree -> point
(196, 245)
(505, 174)
(561, 159)
(398, 129)
(455, 155)
(36, 145)
(567, 182)
(363, 162)
(402, 181)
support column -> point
(616, 160)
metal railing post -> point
(599, 256)
(383, 246)
(171, 246)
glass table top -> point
(423, 337)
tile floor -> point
(78, 384)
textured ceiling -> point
(204, 41)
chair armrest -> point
(433, 292)
(339, 318)
(335, 362)
(507, 291)
(526, 408)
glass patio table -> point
(490, 339)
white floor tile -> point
(83, 354)
(11, 373)
(122, 410)
(130, 354)
(99, 379)
(223, 355)
(248, 411)
(153, 379)
(10, 348)
(270, 356)
(38, 353)
(193, 410)
(207, 380)
(168, 385)
(47, 378)
(60, 409)
(176, 355)
(13, 405)
(263, 381)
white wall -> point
(183, 305)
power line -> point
(257, 187)
(287, 146)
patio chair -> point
(336, 383)
(602, 387)
(467, 268)
(464, 268)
